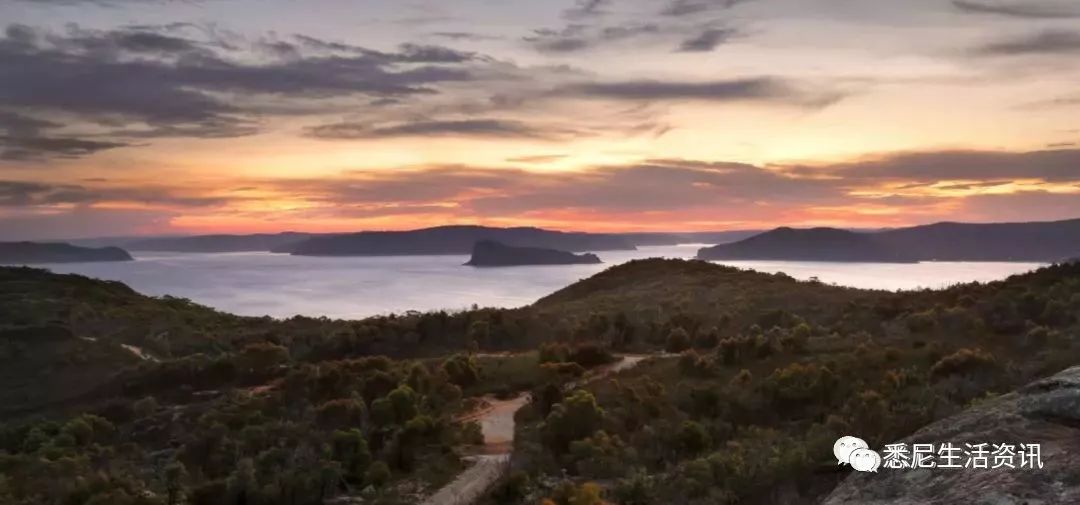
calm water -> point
(281, 285)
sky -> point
(145, 117)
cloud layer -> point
(576, 113)
(653, 194)
(179, 81)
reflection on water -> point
(281, 285)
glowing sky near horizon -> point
(128, 117)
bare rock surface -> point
(1045, 412)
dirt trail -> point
(473, 482)
(496, 420)
(139, 352)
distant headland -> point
(1039, 242)
(26, 253)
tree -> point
(419, 378)
(403, 403)
(677, 340)
(87, 429)
(262, 357)
(638, 489)
(964, 361)
(175, 474)
(461, 370)
(478, 334)
(145, 407)
(382, 413)
(341, 413)
(242, 483)
(693, 438)
(585, 494)
(378, 474)
(589, 355)
(350, 448)
(707, 339)
(577, 417)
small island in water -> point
(26, 253)
(488, 253)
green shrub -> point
(677, 341)
(377, 475)
(962, 362)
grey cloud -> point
(470, 36)
(656, 185)
(20, 193)
(537, 158)
(25, 140)
(324, 45)
(126, 40)
(36, 148)
(649, 188)
(1022, 206)
(31, 194)
(578, 37)
(1059, 165)
(586, 8)
(103, 3)
(1045, 42)
(973, 185)
(1028, 9)
(440, 183)
(497, 128)
(678, 17)
(1061, 101)
(155, 81)
(768, 89)
(16, 124)
(680, 8)
(413, 53)
(707, 40)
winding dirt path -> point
(496, 420)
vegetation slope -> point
(114, 397)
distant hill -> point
(815, 244)
(695, 237)
(1046, 242)
(277, 242)
(453, 240)
(487, 253)
(285, 241)
(27, 253)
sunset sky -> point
(130, 117)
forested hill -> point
(1036, 241)
(131, 400)
(27, 253)
(66, 334)
(281, 242)
(815, 244)
(770, 372)
(454, 240)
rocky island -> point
(488, 253)
(25, 253)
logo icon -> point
(844, 446)
(865, 460)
